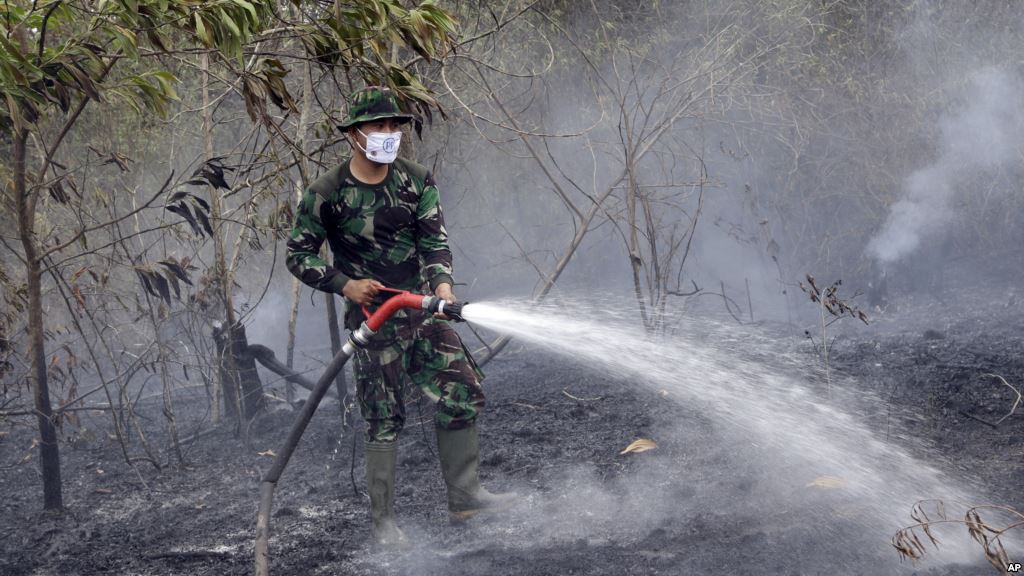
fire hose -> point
(391, 302)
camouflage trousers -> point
(430, 352)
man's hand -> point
(362, 292)
(444, 292)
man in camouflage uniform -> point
(382, 217)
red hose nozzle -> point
(400, 299)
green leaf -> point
(128, 97)
(13, 110)
(10, 48)
(167, 80)
(126, 40)
(158, 39)
(201, 31)
(230, 24)
(252, 10)
(14, 74)
(84, 81)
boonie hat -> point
(373, 103)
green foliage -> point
(51, 57)
(360, 36)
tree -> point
(57, 58)
(53, 64)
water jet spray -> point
(389, 303)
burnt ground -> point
(703, 502)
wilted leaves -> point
(266, 83)
(212, 173)
(28, 453)
(193, 209)
(830, 301)
(989, 536)
(909, 544)
(163, 277)
(641, 445)
(59, 193)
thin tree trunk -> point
(218, 383)
(165, 377)
(231, 379)
(335, 332)
(49, 453)
(293, 317)
(116, 414)
(635, 260)
(655, 278)
(303, 164)
(216, 206)
(143, 440)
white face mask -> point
(381, 147)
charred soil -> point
(698, 504)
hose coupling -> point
(360, 337)
(452, 310)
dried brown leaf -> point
(641, 445)
(76, 291)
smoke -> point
(975, 139)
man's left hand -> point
(444, 292)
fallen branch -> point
(566, 392)
(199, 435)
(56, 411)
(1013, 408)
(188, 554)
(978, 418)
(1016, 402)
(266, 357)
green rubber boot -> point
(381, 458)
(459, 451)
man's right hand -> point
(362, 292)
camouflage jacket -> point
(392, 232)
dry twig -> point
(908, 544)
(566, 392)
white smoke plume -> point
(979, 136)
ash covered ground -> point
(708, 500)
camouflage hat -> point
(373, 103)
